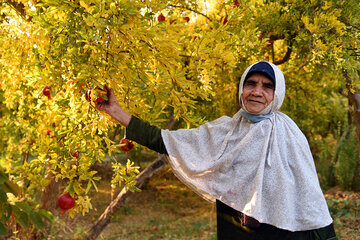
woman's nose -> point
(256, 91)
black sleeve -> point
(145, 134)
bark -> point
(19, 8)
(119, 201)
(287, 54)
(50, 194)
(354, 98)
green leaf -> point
(94, 184)
(20, 216)
(3, 177)
(3, 229)
(6, 212)
(36, 220)
(88, 187)
(24, 206)
(69, 188)
(11, 187)
(47, 215)
(3, 197)
(83, 4)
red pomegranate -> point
(75, 154)
(161, 18)
(100, 98)
(101, 95)
(46, 92)
(66, 202)
(127, 145)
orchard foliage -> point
(187, 63)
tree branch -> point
(348, 24)
(192, 10)
(19, 8)
(287, 54)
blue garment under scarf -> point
(255, 118)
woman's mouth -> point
(255, 101)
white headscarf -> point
(264, 170)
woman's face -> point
(258, 93)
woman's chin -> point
(254, 110)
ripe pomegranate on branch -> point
(66, 202)
(75, 153)
(99, 94)
(126, 145)
(161, 18)
(46, 92)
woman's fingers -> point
(111, 104)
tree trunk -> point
(356, 179)
(50, 194)
(119, 201)
(354, 98)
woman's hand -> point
(112, 107)
(111, 104)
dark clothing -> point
(230, 222)
(145, 134)
(229, 227)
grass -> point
(167, 209)
(164, 209)
(344, 207)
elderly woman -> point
(256, 165)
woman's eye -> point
(270, 86)
(250, 83)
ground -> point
(167, 209)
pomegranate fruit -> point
(75, 154)
(66, 202)
(31, 142)
(161, 18)
(101, 95)
(127, 145)
(270, 43)
(224, 20)
(100, 98)
(46, 92)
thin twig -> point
(192, 10)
